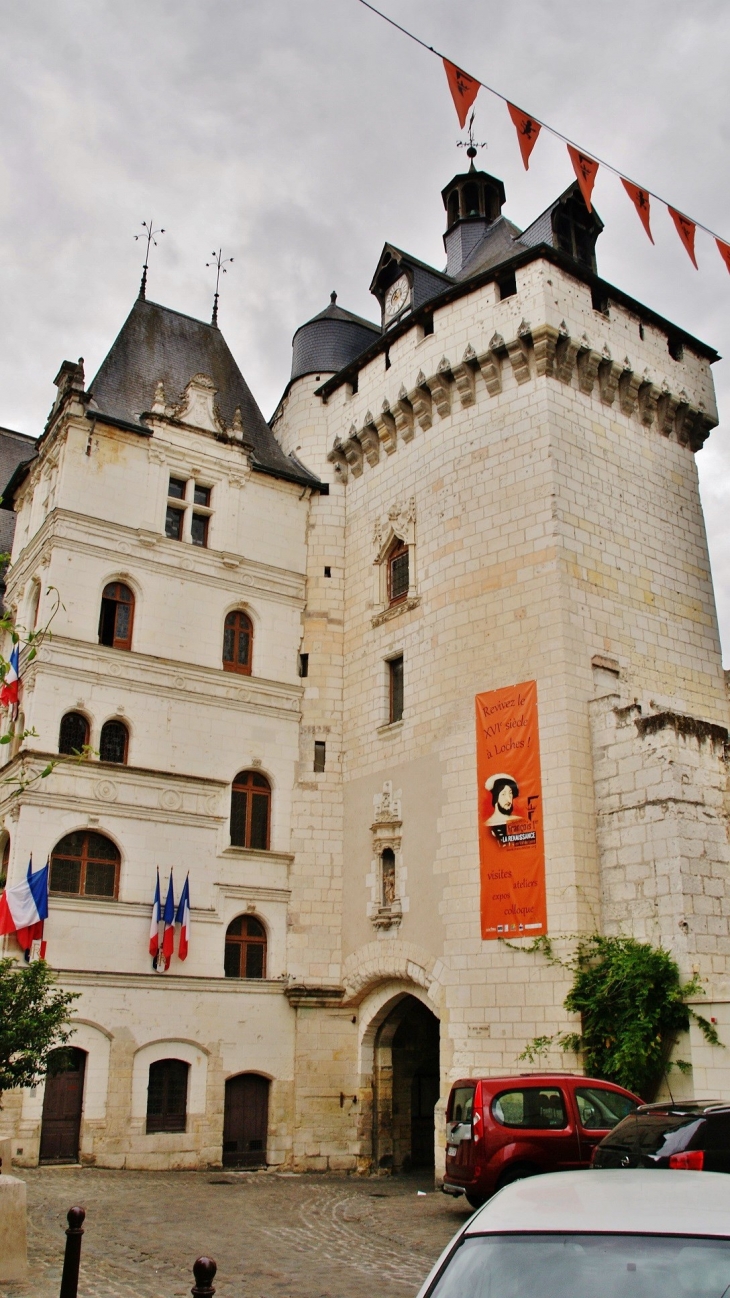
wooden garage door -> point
(246, 1121)
(62, 1104)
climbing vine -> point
(633, 1005)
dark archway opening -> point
(62, 1105)
(406, 1086)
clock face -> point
(397, 296)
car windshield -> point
(586, 1266)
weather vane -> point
(470, 144)
(150, 232)
(220, 262)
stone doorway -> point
(406, 1087)
(62, 1104)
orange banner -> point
(464, 90)
(511, 850)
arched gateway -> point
(405, 1086)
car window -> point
(462, 1104)
(716, 1133)
(650, 1132)
(537, 1107)
(603, 1266)
(600, 1108)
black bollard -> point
(72, 1256)
(204, 1268)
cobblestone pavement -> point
(273, 1235)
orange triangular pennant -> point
(585, 169)
(527, 132)
(640, 199)
(686, 230)
(464, 90)
(724, 251)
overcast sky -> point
(301, 134)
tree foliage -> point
(633, 1005)
(34, 1020)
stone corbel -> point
(628, 388)
(439, 386)
(667, 407)
(403, 415)
(648, 397)
(421, 401)
(388, 916)
(491, 366)
(567, 352)
(337, 459)
(465, 377)
(369, 440)
(352, 451)
(588, 362)
(693, 426)
(609, 373)
(386, 426)
(544, 341)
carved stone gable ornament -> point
(197, 406)
(399, 522)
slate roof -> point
(15, 449)
(157, 344)
(330, 340)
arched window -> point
(398, 575)
(73, 733)
(113, 742)
(117, 616)
(250, 811)
(237, 643)
(85, 864)
(471, 200)
(245, 954)
(167, 1095)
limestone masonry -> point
(270, 638)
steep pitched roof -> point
(156, 344)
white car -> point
(594, 1234)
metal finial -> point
(220, 262)
(150, 232)
(470, 144)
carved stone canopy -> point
(399, 523)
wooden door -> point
(246, 1121)
(62, 1105)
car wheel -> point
(515, 1174)
(475, 1200)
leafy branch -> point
(633, 1005)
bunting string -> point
(464, 89)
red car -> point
(500, 1129)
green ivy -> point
(633, 1005)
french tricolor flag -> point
(168, 936)
(24, 908)
(183, 919)
(10, 688)
(155, 924)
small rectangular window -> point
(199, 529)
(174, 523)
(303, 665)
(398, 573)
(506, 286)
(427, 326)
(328, 571)
(395, 682)
(599, 299)
(675, 348)
(176, 488)
(320, 754)
(201, 495)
